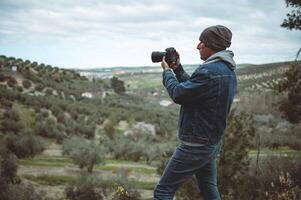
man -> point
(205, 98)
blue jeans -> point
(186, 162)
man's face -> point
(204, 51)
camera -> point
(170, 54)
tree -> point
(291, 106)
(234, 160)
(293, 20)
(84, 153)
(117, 85)
(26, 83)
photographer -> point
(205, 98)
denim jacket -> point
(205, 97)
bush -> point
(278, 178)
(234, 161)
(8, 163)
(10, 121)
(39, 87)
(26, 83)
(11, 82)
(19, 89)
(87, 186)
(126, 149)
(123, 188)
(48, 91)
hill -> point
(43, 107)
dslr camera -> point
(170, 54)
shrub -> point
(26, 83)
(87, 186)
(39, 87)
(8, 163)
(10, 121)
(234, 161)
(109, 127)
(11, 82)
(48, 91)
(126, 149)
(19, 89)
(123, 187)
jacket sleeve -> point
(181, 75)
(194, 89)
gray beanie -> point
(216, 37)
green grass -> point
(48, 161)
(50, 180)
(144, 185)
(131, 169)
(27, 116)
(279, 151)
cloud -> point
(124, 32)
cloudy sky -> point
(106, 33)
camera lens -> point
(157, 56)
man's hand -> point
(164, 64)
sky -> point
(107, 33)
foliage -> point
(233, 160)
(117, 85)
(84, 153)
(291, 107)
(123, 187)
(86, 186)
(109, 127)
(10, 121)
(26, 83)
(25, 145)
(39, 87)
(293, 20)
(8, 163)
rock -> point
(165, 103)
(283, 125)
(87, 94)
(263, 118)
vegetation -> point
(93, 133)
(85, 154)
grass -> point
(144, 185)
(281, 151)
(52, 180)
(26, 114)
(56, 161)
(130, 169)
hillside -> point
(59, 124)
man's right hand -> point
(176, 64)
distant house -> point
(87, 94)
(14, 69)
